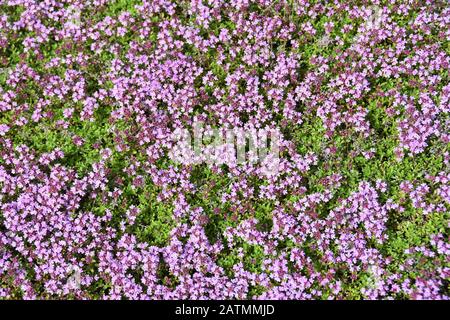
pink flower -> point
(3, 129)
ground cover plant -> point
(93, 206)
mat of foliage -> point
(92, 207)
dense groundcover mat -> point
(348, 197)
